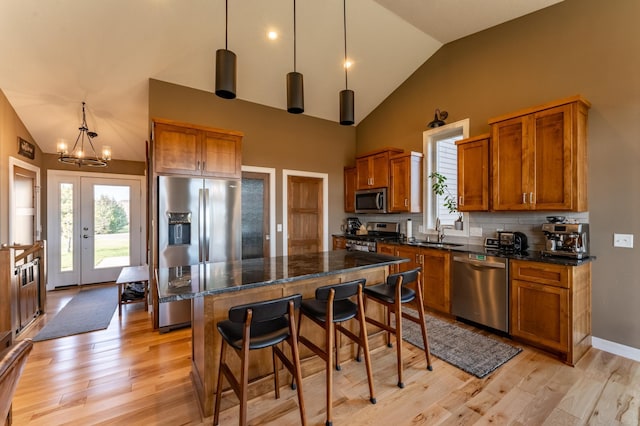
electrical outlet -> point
(475, 231)
(421, 229)
(623, 240)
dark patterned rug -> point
(469, 351)
(89, 310)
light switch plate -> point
(623, 240)
(279, 227)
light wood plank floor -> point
(129, 374)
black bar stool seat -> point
(263, 334)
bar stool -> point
(392, 295)
(256, 326)
(331, 307)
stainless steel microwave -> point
(371, 200)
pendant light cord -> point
(344, 5)
(294, 35)
(226, 23)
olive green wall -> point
(272, 138)
(586, 47)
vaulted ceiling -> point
(58, 53)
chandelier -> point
(78, 155)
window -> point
(439, 146)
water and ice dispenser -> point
(179, 228)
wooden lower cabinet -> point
(339, 243)
(551, 307)
(436, 272)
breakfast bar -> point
(215, 287)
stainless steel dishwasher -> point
(480, 290)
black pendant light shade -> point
(225, 74)
(295, 93)
(346, 107)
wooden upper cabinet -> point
(350, 177)
(405, 187)
(221, 154)
(372, 169)
(539, 158)
(473, 173)
(176, 149)
(194, 150)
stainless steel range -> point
(376, 232)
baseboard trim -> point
(616, 348)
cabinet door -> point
(379, 171)
(540, 314)
(552, 141)
(412, 253)
(363, 173)
(176, 149)
(400, 189)
(339, 243)
(405, 184)
(350, 177)
(221, 155)
(473, 175)
(436, 273)
(511, 164)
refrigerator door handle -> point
(206, 229)
(201, 223)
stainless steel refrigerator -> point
(199, 220)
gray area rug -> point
(90, 310)
(469, 351)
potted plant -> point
(439, 187)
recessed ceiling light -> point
(348, 63)
(272, 35)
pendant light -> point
(295, 83)
(226, 64)
(346, 95)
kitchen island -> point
(215, 287)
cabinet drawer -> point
(543, 273)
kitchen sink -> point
(435, 244)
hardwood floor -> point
(129, 374)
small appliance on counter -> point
(566, 239)
(515, 242)
(353, 225)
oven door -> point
(371, 201)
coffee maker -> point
(566, 239)
(353, 224)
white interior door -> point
(95, 227)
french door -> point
(94, 227)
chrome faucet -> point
(439, 230)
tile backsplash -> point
(490, 222)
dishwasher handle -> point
(483, 263)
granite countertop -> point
(531, 255)
(204, 279)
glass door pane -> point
(111, 226)
(66, 227)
